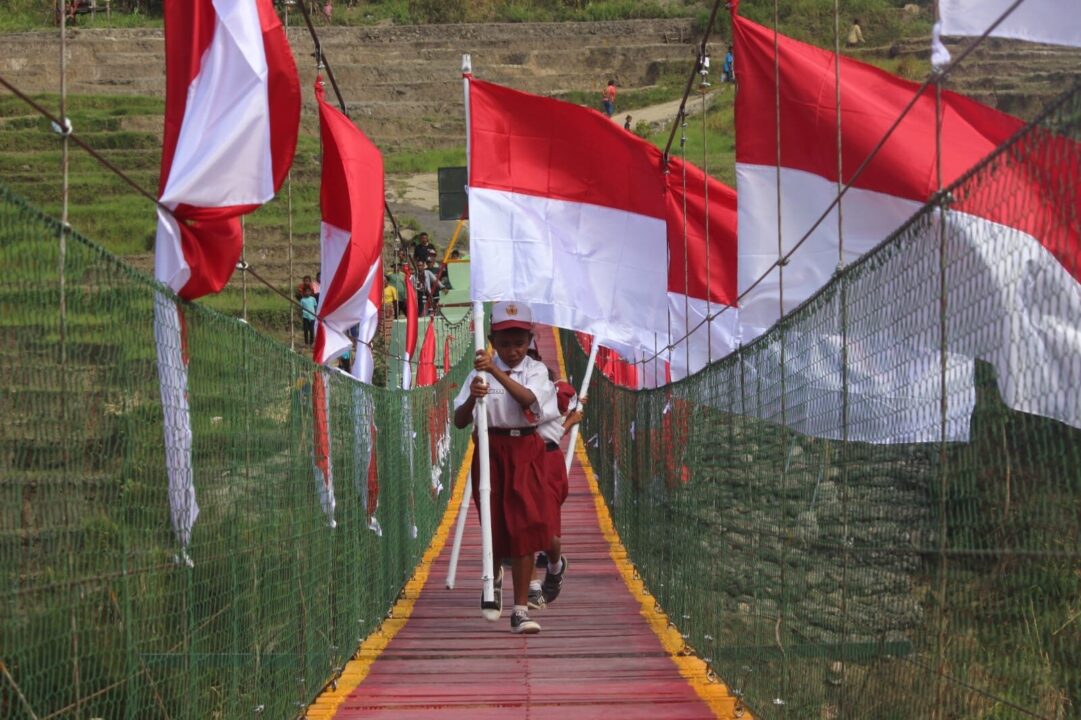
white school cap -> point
(508, 314)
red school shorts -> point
(521, 502)
(558, 486)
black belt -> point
(551, 446)
(512, 432)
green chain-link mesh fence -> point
(826, 576)
(97, 617)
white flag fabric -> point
(1045, 21)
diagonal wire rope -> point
(71, 136)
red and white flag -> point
(351, 239)
(579, 218)
(232, 109)
(1044, 21)
(411, 313)
(351, 233)
(893, 366)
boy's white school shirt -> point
(503, 410)
(551, 430)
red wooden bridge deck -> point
(603, 652)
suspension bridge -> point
(790, 532)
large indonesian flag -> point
(1045, 21)
(1020, 251)
(351, 234)
(579, 218)
(232, 109)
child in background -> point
(552, 432)
(608, 98)
(520, 398)
(308, 305)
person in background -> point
(427, 289)
(304, 288)
(397, 279)
(423, 248)
(315, 285)
(855, 34)
(608, 98)
(627, 123)
(308, 305)
(390, 298)
(728, 70)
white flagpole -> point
(480, 419)
(581, 398)
(459, 529)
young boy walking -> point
(519, 398)
(552, 432)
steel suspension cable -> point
(690, 80)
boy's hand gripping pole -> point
(581, 398)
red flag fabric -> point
(351, 233)
(232, 110)
(426, 362)
(411, 312)
(552, 184)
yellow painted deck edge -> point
(327, 703)
(693, 669)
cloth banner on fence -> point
(351, 232)
(232, 110)
(321, 457)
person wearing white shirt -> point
(520, 398)
(552, 432)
